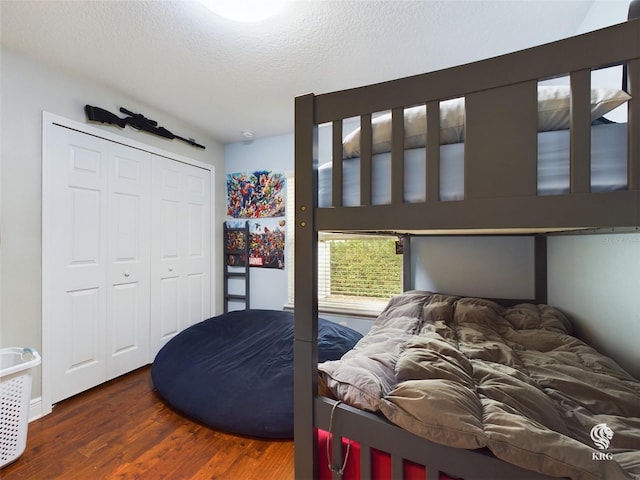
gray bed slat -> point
(306, 387)
(397, 155)
(634, 124)
(580, 135)
(540, 269)
(433, 151)
(365, 159)
(365, 462)
(336, 170)
(397, 463)
(407, 270)
(337, 457)
(500, 158)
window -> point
(356, 273)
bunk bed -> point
(500, 193)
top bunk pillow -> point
(415, 127)
(554, 105)
(554, 113)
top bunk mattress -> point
(608, 169)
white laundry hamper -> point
(15, 394)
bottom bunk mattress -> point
(608, 169)
(472, 374)
(234, 372)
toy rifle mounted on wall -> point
(136, 121)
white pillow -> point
(415, 126)
(554, 105)
(553, 114)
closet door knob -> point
(126, 274)
(171, 269)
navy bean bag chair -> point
(234, 372)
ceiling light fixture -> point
(245, 10)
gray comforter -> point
(469, 373)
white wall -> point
(595, 280)
(28, 89)
(268, 285)
(604, 13)
(498, 267)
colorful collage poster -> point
(257, 194)
(266, 243)
(235, 242)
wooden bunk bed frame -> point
(507, 203)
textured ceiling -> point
(226, 77)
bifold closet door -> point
(98, 260)
(181, 249)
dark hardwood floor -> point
(123, 430)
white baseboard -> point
(35, 409)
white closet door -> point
(79, 262)
(97, 230)
(129, 254)
(181, 251)
(197, 265)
